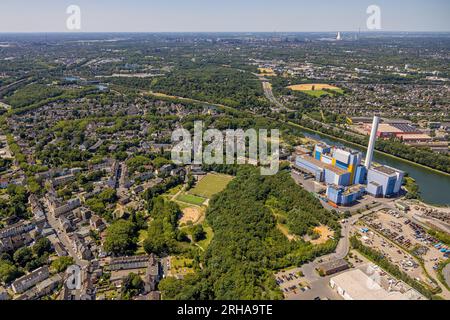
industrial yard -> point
(406, 244)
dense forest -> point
(227, 86)
(247, 245)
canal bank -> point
(434, 185)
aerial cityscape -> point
(95, 206)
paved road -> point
(342, 248)
(267, 87)
(269, 94)
(64, 239)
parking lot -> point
(297, 287)
(398, 228)
(393, 253)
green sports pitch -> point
(210, 185)
(191, 199)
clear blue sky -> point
(223, 15)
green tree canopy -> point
(121, 238)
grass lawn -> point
(210, 185)
(178, 262)
(180, 265)
(209, 235)
(191, 199)
(318, 89)
(319, 93)
(141, 239)
(174, 191)
(316, 93)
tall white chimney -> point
(373, 138)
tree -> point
(247, 245)
(170, 286)
(163, 232)
(159, 162)
(8, 271)
(61, 263)
(121, 238)
(156, 242)
(22, 256)
(198, 233)
(132, 285)
(42, 246)
(108, 196)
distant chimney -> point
(373, 138)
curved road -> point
(342, 248)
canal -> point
(434, 186)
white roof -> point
(359, 286)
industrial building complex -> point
(344, 175)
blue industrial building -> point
(308, 166)
(344, 196)
(341, 170)
(360, 175)
(323, 172)
(384, 181)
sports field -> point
(191, 199)
(210, 185)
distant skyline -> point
(223, 16)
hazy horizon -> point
(195, 16)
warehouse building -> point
(384, 181)
(332, 267)
(356, 285)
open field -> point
(284, 230)
(191, 199)
(267, 72)
(312, 87)
(210, 185)
(316, 93)
(193, 214)
(325, 234)
(315, 89)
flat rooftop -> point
(386, 170)
(333, 264)
(359, 286)
(321, 164)
(415, 136)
